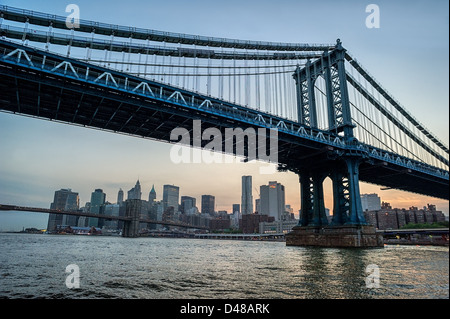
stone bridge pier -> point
(132, 212)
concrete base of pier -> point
(335, 236)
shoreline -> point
(248, 237)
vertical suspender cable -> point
(146, 57)
(129, 53)
(257, 92)
(221, 77)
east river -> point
(34, 266)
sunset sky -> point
(408, 54)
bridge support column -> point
(356, 215)
(319, 216)
(306, 198)
(348, 227)
(131, 226)
(340, 197)
(312, 199)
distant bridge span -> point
(126, 219)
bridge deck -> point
(106, 217)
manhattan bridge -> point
(332, 118)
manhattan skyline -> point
(408, 54)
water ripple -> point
(33, 266)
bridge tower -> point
(133, 211)
(344, 173)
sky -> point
(408, 55)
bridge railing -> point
(399, 160)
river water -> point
(34, 266)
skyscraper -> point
(272, 201)
(98, 198)
(208, 204)
(187, 204)
(235, 216)
(247, 198)
(152, 195)
(111, 210)
(135, 192)
(171, 195)
(120, 197)
(66, 200)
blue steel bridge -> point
(333, 119)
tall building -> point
(272, 200)
(208, 204)
(257, 205)
(188, 204)
(111, 210)
(152, 195)
(247, 198)
(120, 197)
(235, 216)
(98, 199)
(135, 192)
(370, 202)
(171, 196)
(66, 200)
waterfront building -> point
(277, 227)
(370, 202)
(247, 197)
(394, 218)
(250, 222)
(171, 196)
(371, 217)
(272, 200)
(219, 223)
(387, 219)
(401, 217)
(208, 204)
(66, 200)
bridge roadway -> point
(44, 85)
(77, 213)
